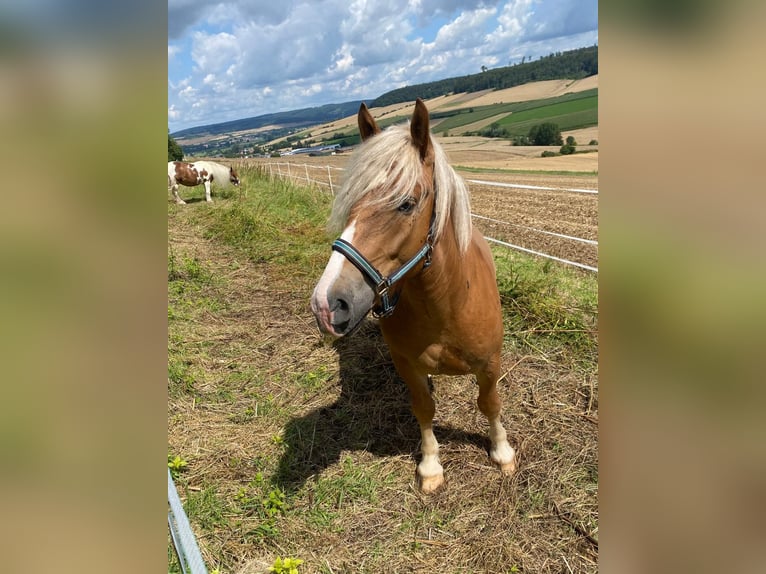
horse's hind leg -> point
(207, 192)
(490, 405)
(430, 471)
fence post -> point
(329, 176)
(306, 167)
(289, 173)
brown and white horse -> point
(409, 253)
(199, 172)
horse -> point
(408, 252)
(199, 172)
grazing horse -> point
(199, 172)
(409, 253)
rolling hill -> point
(458, 106)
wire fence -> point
(329, 177)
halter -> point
(380, 284)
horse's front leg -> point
(490, 405)
(177, 197)
(430, 471)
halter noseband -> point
(380, 284)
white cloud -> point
(465, 31)
(213, 52)
(250, 57)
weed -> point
(176, 465)
(243, 417)
(286, 566)
(206, 508)
(316, 379)
(274, 503)
(354, 483)
(180, 379)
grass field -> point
(581, 106)
(296, 448)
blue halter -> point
(380, 284)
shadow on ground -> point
(372, 413)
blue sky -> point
(234, 59)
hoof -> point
(431, 484)
(509, 468)
(180, 202)
(504, 457)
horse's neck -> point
(447, 269)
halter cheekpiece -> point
(380, 284)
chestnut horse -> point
(409, 253)
(197, 173)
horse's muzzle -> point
(339, 312)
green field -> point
(571, 110)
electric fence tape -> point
(189, 556)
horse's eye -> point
(407, 206)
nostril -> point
(339, 305)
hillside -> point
(573, 64)
(557, 76)
(466, 113)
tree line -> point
(572, 64)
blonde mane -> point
(387, 167)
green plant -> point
(286, 565)
(316, 379)
(274, 503)
(176, 465)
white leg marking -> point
(501, 452)
(177, 197)
(430, 470)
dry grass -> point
(258, 402)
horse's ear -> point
(367, 125)
(420, 130)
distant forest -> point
(573, 64)
(294, 118)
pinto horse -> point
(409, 253)
(199, 172)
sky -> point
(233, 59)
